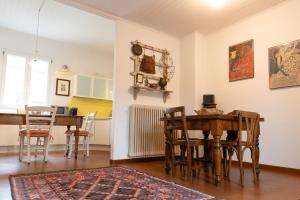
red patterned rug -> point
(101, 183)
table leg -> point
(217, 130)
(76, 141)
(67, 143)
(206, 146)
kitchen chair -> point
(39, 125)
(86, 133)
(176, 136)
(249, 122)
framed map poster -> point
(284, 65)
(241, 61)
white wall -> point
(279, 141)
(188, 73)
(193, 72)
(123, 97)
(81, 59)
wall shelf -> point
(160, 65)
(137, 88)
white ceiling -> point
(58, 22)
(180, 17)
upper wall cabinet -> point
(93, 87)
(83, 86)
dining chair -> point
(39, 125)
(248, 123)
(86, 132)
(176, 136)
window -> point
(38, 89)
(14, 90)
(24, 83)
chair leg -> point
(173, 168)
(84, 145)
(240, 155)
(71, 145)
(36, 146)
(189, 161)
(88, 146)
(67, 147)
(230, 154)
(192, 172)
(21, 150)
(46, 148)
(167, 158)
(182, 159)
(28, 150)
(197, 154)
(253, 164)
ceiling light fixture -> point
(64, 70)
(37, 34)
(216, 3)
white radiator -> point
(146, 131)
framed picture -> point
(284, 65)
(140, 78)
(241, 61)
(62, 87)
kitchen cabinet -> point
(93, 87)
(102, 131)
(83, 86)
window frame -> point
(27, 77)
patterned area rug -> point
(102, 183)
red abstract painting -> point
(241, 61)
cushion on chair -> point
(35, 133)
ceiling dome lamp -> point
(65, 71)
(216, 3)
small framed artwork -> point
(139, 78)
(62, 87)
(284, 65)
(241, 61)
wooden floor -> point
(273, 185)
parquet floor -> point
(273, 185)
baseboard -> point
(54, 147)
(137, 160)
(246, 164)
(270, 167)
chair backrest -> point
(89, 121)
(249, 122)
(40, 118)
(175, 120)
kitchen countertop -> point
(103, 118)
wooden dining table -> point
(216, 124)
(60, 120)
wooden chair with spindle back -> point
(39, 124)
(249, 122)
(176, 135)
(86, 132)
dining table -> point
(60, 120)
(216, 125)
